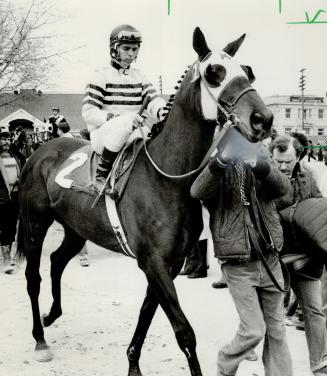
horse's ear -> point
(199, 44)
(249, 72)
(233, 47)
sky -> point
(274, 49)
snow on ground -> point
(100, 311)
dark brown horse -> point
(161, 220)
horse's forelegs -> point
(162, 286)
(147, 312)
(71, 245)
(148, 309)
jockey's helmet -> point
(123, 34)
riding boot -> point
(5, 249)
(104, 167)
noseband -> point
(229, 97)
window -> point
(321, 131)
(299, 112)
(310, 111)
(320, 113)
(305, 114)
(287, 113)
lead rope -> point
(240, 171)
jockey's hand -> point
(137, 121)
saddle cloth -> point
(79, 170)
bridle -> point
(231, 101)
(231, 121)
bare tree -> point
(26, 43)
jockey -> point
(113, 97)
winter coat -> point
(303, 187)
(219, 189)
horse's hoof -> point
(134, 370)
(45, 320)
(43, 355)
(49, 319)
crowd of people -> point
(245, 190)
(13, 155)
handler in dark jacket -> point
(305, 270)
(239, 187)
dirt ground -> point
(100, 311)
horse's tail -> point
(21, 241)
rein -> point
(232, 120)
(202, 164)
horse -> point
(161, 220)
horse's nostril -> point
(257, 121)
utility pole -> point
(302, 87)
(160, 84)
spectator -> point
(305, 270)
(11, 163)
(64, 130)
(221, 284)
(311, 151)
(55, 119)
(196, 261)
(320, 154)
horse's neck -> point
(183, 142)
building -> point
(287, 110)
(31, 109)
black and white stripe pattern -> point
(118, 94)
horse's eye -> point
(215, 74)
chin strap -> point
(117, 65)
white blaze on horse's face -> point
(211, 93)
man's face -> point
(128, 53)
(4, 144)
(55, 113)
(286, 160)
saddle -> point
(79, 169)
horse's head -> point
(226, 90)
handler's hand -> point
(249, 153)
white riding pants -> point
(114, 133)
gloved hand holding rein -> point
(233, 146)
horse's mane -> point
(191, 98)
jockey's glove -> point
(161, 114)
(137, 121)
